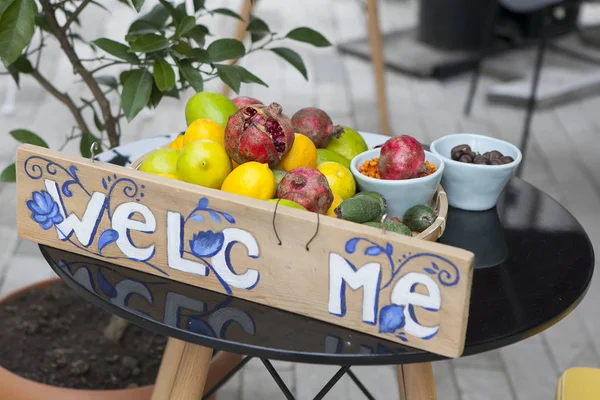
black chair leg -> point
(532, 101)
(488, 34)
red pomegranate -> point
(307, 187)
(317, 125)
(401, 157)
(259, 133)
(243, 101)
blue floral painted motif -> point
(44, 210)
(206, 243)
(391, 318)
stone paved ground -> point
(563, 160)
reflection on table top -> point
(533, 261)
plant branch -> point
(63, 98)
(109, 121)
(75, 14)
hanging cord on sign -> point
(318, 222)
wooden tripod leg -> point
(191, 374)
(168, 369)
(240, 31)
(415, 382)
(378, 66)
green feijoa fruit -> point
(398, 227)
(373, 224)
(378, 197)
(419, 217)
(358, 209)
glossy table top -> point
(533, 260)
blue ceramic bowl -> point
(402, 194)
(474, 187)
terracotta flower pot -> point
(14, 387)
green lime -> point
(324, 155)
(349, 144)
(279, 174)
(161, 161)
(287, 203)
(208, 105)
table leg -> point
(415, 382)
(191, 373)
(378, 66)
(168, 369)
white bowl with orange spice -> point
(399, 194)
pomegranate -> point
(401, 157)
(317, 125)
(259, 133)
(307, 187)
(242, 101)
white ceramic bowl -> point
(402, 194)
(475, 187)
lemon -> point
(177, 143)
(340, 179)
(287, 203)
(251, 179)
(202, 129)
(209, 105)
(337, 200)
(160, 161)
(204, 163)
(302, 154)
(324, 155)
(349, 144)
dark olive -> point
(473, 154)
(506, 159)
(495, 154)
(487, 154)
(461, 147)
(481, 160)
(497, 161)
(466, 159)
(457, 154)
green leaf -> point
(158, 16)
(40, 21)
(4, 5)
(9, 174)
(148, 43)
(116, 49)
(106, 80)
(228, 12)
(97, 122)
(85, 145)
(25, 136)
(226, 49)
(198, 5)
(182, 49)
(191, 75)
(155, 97)
(136, 92)
(230, 76)
(199, 34)
(293, 58)
(177, 14)
(23, 65)
(99, 5)
(124, 76)
(186, 25)
(141, 27)
(200, 55)
(12, 70)
(164, 77)
(248, 77)
(258, 29)
(138, 4)
(17, 25)
(309, 36)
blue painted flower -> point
(44, 210)
(206, 243)
(391, 318)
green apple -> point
(349, 144)
(161, 162)
(325, 155)
(287, 203)
(209, 105)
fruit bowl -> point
(438, 203)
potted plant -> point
(165, 52)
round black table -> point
(533, 265)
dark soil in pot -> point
(51, 335)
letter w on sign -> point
(384, 284)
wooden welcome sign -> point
(388, 285)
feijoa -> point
(419, 217)
(358, 209)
